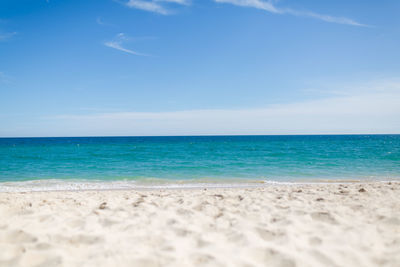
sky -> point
(199, 67)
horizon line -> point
(203, 135)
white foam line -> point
(127, 185)
(62, 185)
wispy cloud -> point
(100, 21)
(259, 4)
(327, 18)
(269, 6)
(117, 43)
(156, 6)
(371, 110)
(161, 7)
(7, 36)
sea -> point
(80, 163)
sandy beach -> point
(349, 224)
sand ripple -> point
(279, 225)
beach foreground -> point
(349, 224)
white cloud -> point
(116, 43)
(147, 6)
(327, 18)
(270, 7)
(267, 6)
(181, 2)
(369, 109)
(157, 6)
(160, 6)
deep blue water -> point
(276, 158)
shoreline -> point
(57, 185)
(347, 224)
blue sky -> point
(183, 67)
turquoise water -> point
(205, 159)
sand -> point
(355, 224)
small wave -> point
(87, 185)
(83, 185)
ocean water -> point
(162, 161)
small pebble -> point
(103, 205)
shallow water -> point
(205, 159)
